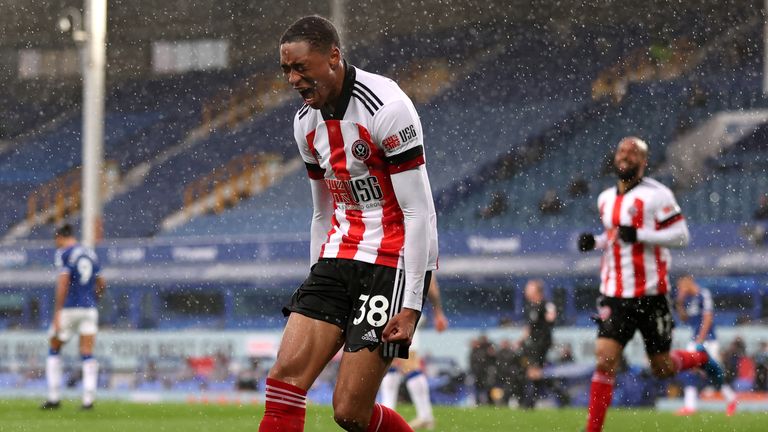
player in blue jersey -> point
(695, 307)
(78, 288)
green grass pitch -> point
(108, 416)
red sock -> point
(385, 419)
(599, 400)
(285, 408)
(686, 359)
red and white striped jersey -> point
(638, 269)
(375, 132)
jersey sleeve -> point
(707, 305)
(58, 262)
(397, 130)
(314, 170)
(667, 210)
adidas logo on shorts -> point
(370, 336)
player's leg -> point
(317, 313)
(354, 407)
(390, 385)
(88, 328)
(713, 348)
(608, 354)
(53, 374)
(690, 390)
(616, 326)
(53, 367)
(307, 346)
(418, 389)
(656, 329)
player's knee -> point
(662, 370)
(349, 418)
(606, 362)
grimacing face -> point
(311, 72)
(629, 162)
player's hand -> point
(628, 234)
(440, 322)
(400, 328)
(586, 242)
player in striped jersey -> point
(695, 307)
(373, 234)
(78, 289)
(642, 220)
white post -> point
(765, 49)
(339, 18)
(93, 117)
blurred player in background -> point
(78, 289)
(413, 370)
(695, 307)
(536, 339)
(642, 220)
(373, 235)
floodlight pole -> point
(339, 17)
(765, 48)
(94, 63)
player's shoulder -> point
(654, 185)
(377, 88)
(607, 193)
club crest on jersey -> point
(360, 150)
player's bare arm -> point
(440, 321)
(101, 287)
(62, 288)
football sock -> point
(90, 379)
(390, 386)
(728, 393)
(690, 394)
(418, 390)
(53, 377)
(384, 419)
(600, 397)
(285, 408)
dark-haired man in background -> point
(78, 289)
(373, 234)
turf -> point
(24, 416)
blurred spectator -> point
(579, 187)
(550, 204)
(732, 358)
(497, 206)
(482, 366)
(249, 377)
(565, 354)
(510, 371)
(762, 208)
(761, 368)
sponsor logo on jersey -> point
(407, 134)
(391, 142)
(360, 150)
(370, 336)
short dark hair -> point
(316, 30)
(64, 230)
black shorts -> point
(620, 317)
(358, 297)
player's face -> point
(311, 72)
(629, 161)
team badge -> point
(360, 150)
